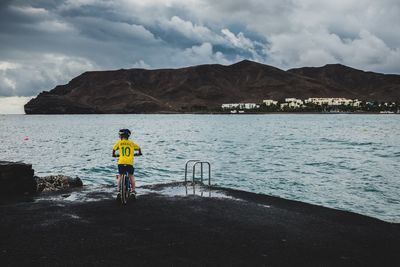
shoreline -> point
(221, 113)
(221, 227)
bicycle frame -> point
(125, 186)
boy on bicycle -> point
(126, 157)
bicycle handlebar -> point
(136, 155)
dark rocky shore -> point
(240, 229)
(17, 178)
(174, 225)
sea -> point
(344, 161)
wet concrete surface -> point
(174, 225)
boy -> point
(126, 157)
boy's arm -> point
(115, 148)
(137, 147)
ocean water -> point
(344, 161)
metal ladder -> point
(197, 162)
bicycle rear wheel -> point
(124, 189)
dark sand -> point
(161, 230)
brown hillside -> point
(363, 85)
(207, 87)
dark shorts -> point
(123, 168)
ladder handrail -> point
(186, 165)
(201, 169)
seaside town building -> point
(356, 103)
(294, 105)
(270, 102)
(293, 102)
(283, 105)
(229, 106)
(333, 101)
(240, 106)
(326, 103)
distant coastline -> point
(220, 113)
(205, 88)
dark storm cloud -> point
(47, 42)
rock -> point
(75, 182)
(16, 178)
(57, 182)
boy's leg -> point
(132, 179)
(119, 178)
(118, 182)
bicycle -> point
(125, 188)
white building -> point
(240, 106)
(270, 102)
(283, 105)
(294, 105)
(330, 101)
(230, 106)
(294, 100)
(356, 103)
(251, 106)
(390, 104)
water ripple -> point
(348, 162)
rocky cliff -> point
(206, 87)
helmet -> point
(124, 132)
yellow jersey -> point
(126, 151)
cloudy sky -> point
(48, 42)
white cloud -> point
(366, 51)
(200, 54)
(71, 4)
(260, 16)
(40, 19)
(316, 32)
(40, 72)
(191, 31)
(50, 42)
(239, 41)
(141, 65)
(13, 105)
(102, 29)
(54, 26)
(8, 83)
(4, 65)
(30, 11)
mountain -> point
(359, 84)
(206, 87)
